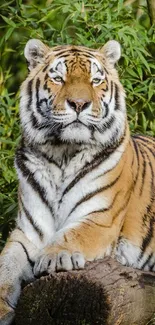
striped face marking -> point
(97, 73)
(74, 96)
(57, 71)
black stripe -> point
(152, 198)
(147, 261)
(34, 120)
(41, 126)
(67, 55)
(72, 66)
(54, 131)
(106, 110)
(106, 79)
(124, 206)
(133, 158)
(61, 51)
(147, 139)
(107, 124)
(41, 101)
(143, 171)
(6, 300)
(114, 136)
(36, 124)
(71, 61)
(20, 229)
(37, 93)
(117, 106)
(45, 68)
(52, 70)
(25, 250)
(152, 151)
(47, 88)
(97, 68)
(151, 267)
(150, 233)
(111, 91)
(106, 172)
(104, 89)
(148, 211)
(60, 48)
(89, 196)
(144, 143)
(137, 156)
(110, 206)
(106, 70)
(46, 76)
(97, 160)
(50, 159)
(29, 93)
(83, 51)
(20, 160)
(88, 55)
(152, 173)
(67, 52)
(30, 219)
(44, 109)
(96, 223)
(82, 65)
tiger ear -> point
(112, 51)
(35, 52)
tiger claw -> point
(63, 261)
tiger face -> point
(72, 94)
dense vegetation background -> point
(87, 22)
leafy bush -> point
(87, 22)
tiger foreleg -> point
(16, 265)
(71, 248)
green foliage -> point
(87, 22)
(9, 130)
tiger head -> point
(72, 94)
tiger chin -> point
(86, 187)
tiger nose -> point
(78, 105)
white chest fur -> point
(66, 178)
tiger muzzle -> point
(78, 105)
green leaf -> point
(8, 33)
(143, 60)
(9, 21)
(151, 90)
(140, 71)
(131, 72)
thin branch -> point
(151, 10)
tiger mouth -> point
(75, 123)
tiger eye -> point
(58, 79)
(96, 80)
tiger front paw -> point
(63, 261)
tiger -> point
(86, 186)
